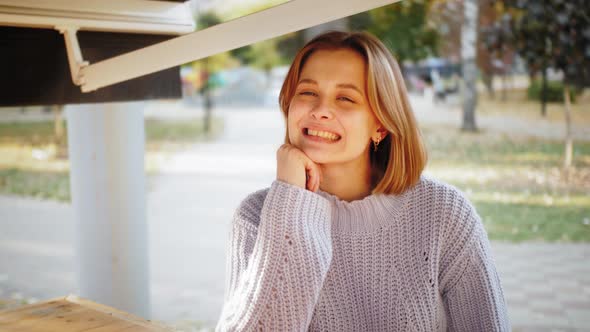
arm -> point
(471, 289)
(276, 269)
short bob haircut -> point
(401, 156)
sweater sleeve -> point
(278, 258)
(471, 288)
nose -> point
(322, 110)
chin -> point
(317, 156)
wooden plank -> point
(73, 314)
(45, 319)
(12, 314)
(114, 312)
(114, 326)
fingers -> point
(295, 167)
(314, 175)
(310, 183)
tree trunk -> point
(504, 86)
(58, 132)
(268, 74)
(208, 107)
(488, 81)
(468, 53)
(569, 144)
(207, 98)
(544, 90)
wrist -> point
(291, 181)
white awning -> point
(69, 16)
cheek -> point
(293, 118)
(297, 107)
(359, 128)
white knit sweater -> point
(420, 261)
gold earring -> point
(376, 143)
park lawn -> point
(37, 184)
(516, 99)
(156, 131)
(29, 166)
(516, 184)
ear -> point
(381, 133)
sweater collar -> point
(365, 215)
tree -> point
(267, 54)
(61, 150)
(209, 67)
(403, 27)
(496, 53)
(556, 34)
(486, 59)
(499, 36)
(468, 55)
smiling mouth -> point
(326, 135)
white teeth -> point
(323, 134)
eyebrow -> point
(341, 85)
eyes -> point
(313, 94)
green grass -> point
(523, 220)
(185, 131)
(17, 177)
(27, 132)
(500, 150)
(517, 185)
(44, 185)
(155, 131)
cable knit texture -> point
(304, 261)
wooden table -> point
(72, 314)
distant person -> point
(453, 84)
(417, 84)
(351, 236)
(438, 85)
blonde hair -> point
(401, 156)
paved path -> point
(190, 206)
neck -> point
(350, 181)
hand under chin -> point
(317, 157)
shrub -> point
(554, 91)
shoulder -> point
(433, 194)
(444, 204)
(459, 224)
(250, 208)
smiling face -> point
(329, 117)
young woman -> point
(351, 236)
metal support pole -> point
(75, 59)
(107, 179)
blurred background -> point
(514, 135)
